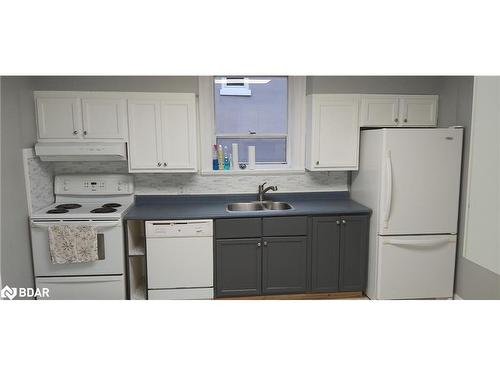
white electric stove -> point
(97, 200)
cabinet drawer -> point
(238, 228)
(285, 226)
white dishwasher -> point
(180, 259)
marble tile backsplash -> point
(41, 175)
(197, 184)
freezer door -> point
(411, 267)
(420, 181)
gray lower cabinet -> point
(339, 253)
(284, 265)
(238, 267)
(325, 254)
(281, 255)
(353, 253)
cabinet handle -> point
(343, 222)
(165, 164)
(258, 244)
(405, 120)
(396, 120)
(75, 132)
(337, 222)
(84, 132)
(265, 243)
(317, 163)
(159, 164)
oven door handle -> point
(95, 224)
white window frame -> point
(295, 138)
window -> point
(253, 111)
(267, 112)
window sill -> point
(253, 172)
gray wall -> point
(471, 280)
(117, 83)
(18, 131)
(373, 84)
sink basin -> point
(259, 206)
(277, 206)
(248, 206)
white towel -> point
(72, 244)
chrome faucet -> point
(263, 191)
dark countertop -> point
(185, 207)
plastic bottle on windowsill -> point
(226, 159)
(220, 157)
(215, 159)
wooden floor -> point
(302, 296)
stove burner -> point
(57, 211)
(103, 210)
(112, 205)
(69, 206)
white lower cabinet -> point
(83, 287)
(398, 110)
(162, 133)
(332, 136)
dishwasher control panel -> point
(179, 228)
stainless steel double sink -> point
(259, 206)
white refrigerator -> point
(410, 178)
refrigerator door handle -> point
(419, 243)
(388, 188)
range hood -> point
(81, 151)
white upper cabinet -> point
(332, 136)
(179, 133)
(398, 110)
(418, 110)
(162, 133)
(59, 116)
(81, 116)
(104, 118)
(144, 147)
(379, 110)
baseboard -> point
(301, 296)
(456, 296)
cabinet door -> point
(178, 119)
(335, 129)
(238, 267)
(284, 265)
(104, 118)
(144, 151)
(353, 253)
(379, 111)
(418, 110)
(58, 117)
(325, 254)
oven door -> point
(110, 248)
